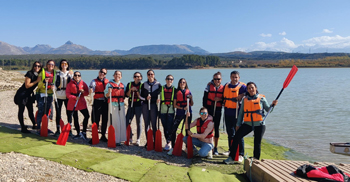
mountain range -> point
(71, 48)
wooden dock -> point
(281, 170)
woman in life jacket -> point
(135, 109)
(64, 76)
(213, 97)
(116, 89)
(47, 75)
(180, 103)
(167, 110)
(25, 96)
(149, 93)
(204, 136)
(251, 114)
(100, 106)
(74, 87)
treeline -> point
(118, 62)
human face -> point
(64, 65)
(183, 84)
(102, 74)
(137, 77)
(169, 81)
(204, 114)
(234, 79)
(217, 80)
(117, 76)
(251, 89)
(150, 75)
(50, 66)
(77, 76)
(37, 67)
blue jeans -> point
(204, 147)
(41, 108)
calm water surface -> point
(313, 110)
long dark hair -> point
(60, 67)
(251, 83)
(36, 62)
(153, 73)
(178, 85)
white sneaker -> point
(226, 153)
(167, 147)
(240, 160)
(138, 142)
(170, 152)
(210, 155)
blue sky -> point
(216, 26)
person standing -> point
(46, 77)
(133, 91)
(251, 114)
(25, 96)
(115, 88)
(149, 93)
(167, 110)
(212, 100)
(64, 76)
(233, 93)
(74, 87)
(100, 106)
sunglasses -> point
(182, 82)
(137, 76)
(217, 78)
(203, 113)
(103, 73)
(170, 79)
(64, 64)
(50, 64)
(37, 66)
(150, 74)
(78, 75)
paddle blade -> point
(61, 124)
(128, 131)
(111, 137)
(290, 76)
(237, 154)
(43, 130)
(150, 145)
(178, 145)
(95, 139)
(189, 147)
(62, 139)
(158, 144)
(49, 113)
(36, 115)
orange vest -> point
(99, 88)
(230, 95)
(215, 93)
(181, 100)
(117, 92)
(253, 110)
(201, 129)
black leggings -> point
(216, 120)
(21, 108)
(177, 122)
(59, 110)
(99, 108)
(245, 130)
(86, 115)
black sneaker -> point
(24, 130)
(77, 136)
(83, 136)
(34, 126)
(90, 142)
(103, 138)
(57, 133)
(71, 134)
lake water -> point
(312, 111)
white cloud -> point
(327, 31)
(282, 33)
(284, 45)
(328, 41)
(265, 35)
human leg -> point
(258, 134)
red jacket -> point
(72, 92)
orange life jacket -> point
(231, 94)
(215, 93)
(201, 129)
(117, 92)
(99, 88)
(253, 110)
(181, 99)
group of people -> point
(243, 106)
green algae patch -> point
(164, 172)
(87, 157)
(268, 150)
(199, 174)
(4, 132)
(128, 167)
(50, 151)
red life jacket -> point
(181, 99)
(131, 85)
(167, 95)
(117, 92)
(99, 88)
(201, 129)
(75, 90)
(215, 93)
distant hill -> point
(70, 48)
(164, 49)
(7, 49)
(38, 49)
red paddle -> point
(150, 144)
(289, 78)
(158, 144)
(94, 131)
(189, 138)
(178, 144)
(111, 131)
(44, 122)
(61, 124)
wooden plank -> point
(288, 169)
(279, 169)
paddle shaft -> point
(110, 105)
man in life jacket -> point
(233, 94)
(212, 100)
(204, 136)
(100, 106)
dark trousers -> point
(86, 115)
(21, 107)
(245, 130)
(177, 121)
(231, 123)
(167, 122)
(216, 120)
(59, 111)
(150, 118)
(99, 108)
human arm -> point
(85, 89)
(28, 84)
(202, 136)
(240, 116)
